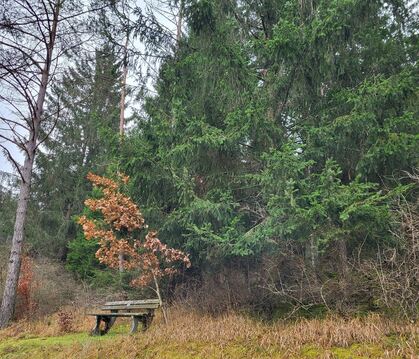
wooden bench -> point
(139, 310)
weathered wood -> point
(134, 324)
(108, 324)
(119, 314)
(113, 318)
(134, 302)
(139, 310)
(148, 320)
(129, 307)
(96, 329)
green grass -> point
(81, 345)
(30, 346)
(44, 347)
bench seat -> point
(130, 307)
(118, 314)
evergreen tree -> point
(88, 98)
(281, 126)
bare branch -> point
(9, 156)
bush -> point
(65, 321)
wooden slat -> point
(129, 307)
(133, 302)
(118, 314)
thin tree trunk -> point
(156, 282)
(63, 250)
(122, 120)
(123, 89)
(13, 270)
(179, 23)
(311, 252)
(124, 79)
(343, 257)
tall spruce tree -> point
(281, 127)
(88, 98)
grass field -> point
(189, 335)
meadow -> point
(193, 335)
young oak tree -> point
(118, 232)
(133, 32)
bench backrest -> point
(132, 304)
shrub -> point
(65, 321)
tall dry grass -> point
(47, 326)
(188, 328)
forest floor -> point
(189, 335)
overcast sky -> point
(5, 165)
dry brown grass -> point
(190, 334)
(47, 326)
(186, 327)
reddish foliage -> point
(116, 234)
(25, 287)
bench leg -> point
(112, 318)
(108, 324)
(134, 325)
(96, 329)
(146, 320)
(109, 321)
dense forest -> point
(273, 143)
